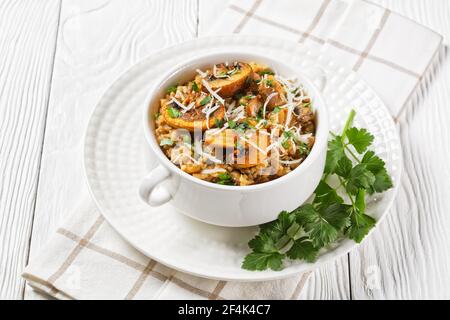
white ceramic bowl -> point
(234, 206)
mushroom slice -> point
(278, 117)
(253, 152)
(234, 79)
(225, 139)
(269, 85)
(192, 119)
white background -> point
(58, 56)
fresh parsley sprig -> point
(338, 209)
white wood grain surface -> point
(27, 45)
(407, 257)
(95, 45)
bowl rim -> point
(321, 135)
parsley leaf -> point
(344, 167)
(173, 112)
(301, 234)
(382, 182)
(276, 229)
(360, 223)
(195, 86)
(171, 89)
(267, 71)
(360, 226)
(376, 165)
(326, 194)
(334, 154)
(324, 222)
(360, 139)
(303, 249)
(219, 123)
(285, 144)
(360, 177)
(225, 179)
(263, 261)
(205, 100)
(232, 124)
(263, 243)
(373, 162)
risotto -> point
(236, 124)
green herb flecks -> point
(174, 112)
(195, 86)
(225, 179)
(267, 71)
(205, 100)
(232, 124)
(171, 89)
(276, 110)
(219, 123)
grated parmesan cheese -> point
(267, 102)
(213, 93)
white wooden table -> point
(58, 56)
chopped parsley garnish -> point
(269, 82)
(285, 144)
(225, 179)
(173, 112)
(195, 86)
(166, 142)
(267, 71)
(244, 126)
(232, 124)
(219, 123)
(276, 110)
(260, 114)
(205, 100)
(222, 74)
(300, 234)
(287, 136)
(172, 89)
(302, 148)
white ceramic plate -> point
(116, 159)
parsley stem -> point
(351, 153)
(348, 194)
(348, 123)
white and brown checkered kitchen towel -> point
(86, 259)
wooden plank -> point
(27, 45)
(408, 257)
(328, 282)
(96, 45)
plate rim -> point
(251, 276)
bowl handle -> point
(150, 182)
